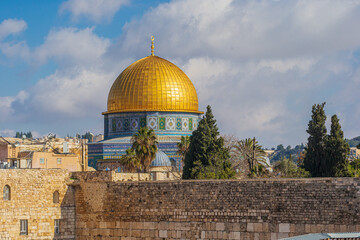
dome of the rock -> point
(153, 93)
(152, 84)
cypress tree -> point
(315, 149)
(207, 157)
(337, 150)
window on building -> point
(57, 226)
(42, 160)
(7, 192)
(23, 227)
(56, 197)
(59, 161)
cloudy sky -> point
(261, 65)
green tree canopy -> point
(337, 150)
(354, 168)
(315, 149)
(250, 151)
(207, 157)
(326, 155)
(22, 134)
(145, 146)
(287, 168)
(183, 147)
(130, 161)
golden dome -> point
(152, 84)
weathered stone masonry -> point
(247, 209)
(94, 205)
(31, 199)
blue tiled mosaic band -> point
(126, 124)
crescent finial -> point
(152, 45)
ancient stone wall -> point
(255, 209)
(100, 207)
(31, 199)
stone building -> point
(64, 153)
(48, 160)
(151, 92)
(11, 147)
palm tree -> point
(145, 146)
(250, 151)
(130, 161)
(183, 147)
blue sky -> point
(261, 65)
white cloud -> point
(260, 64)
(71, 46)
(79, 85)
(284, 65)
(11, 26)
(66, 46)
(72, 93)
(6, 108)
(96, 10)
(248, 29)
(7, 133)
(16, 50)
(13, 49)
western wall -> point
(32, 199)
(94, 205)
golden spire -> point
(152, 45)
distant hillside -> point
(354, 141)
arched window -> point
(56, 197)
(7, 192)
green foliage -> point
(89, 136)
(207, 157)
(287, 168)
(130, 161)
(326, 155)
(145, 146)
(315, 149)
(26, 134)
(280, 147)
(354, 142)
(183, 147)
(251, 152)
(354, 168)
(281, 152)
(262, 171)
(337, 150)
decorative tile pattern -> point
(185, 124)
(109, 123)
(126, 124)
(134, 124)
(113, 125)
(162, 123)
(194, 124)
(178, 124)
(152, 123)
(119, 125)
(142, 122)
(170, 123)
(190, 124)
